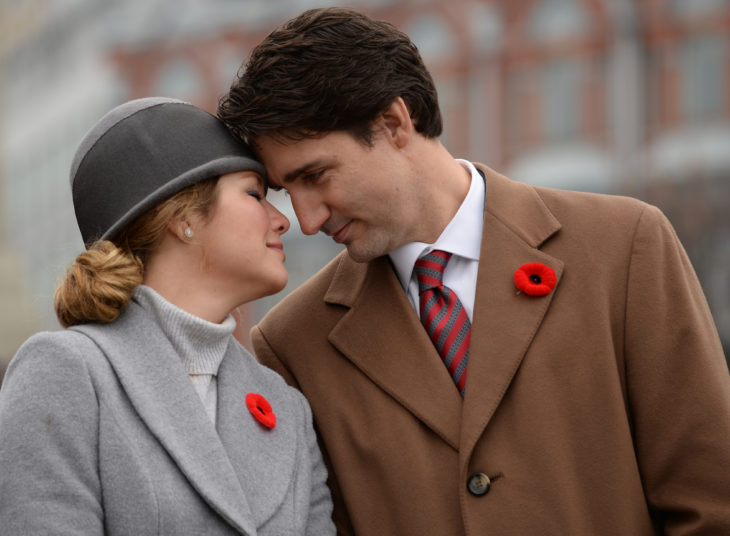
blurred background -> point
(627, 97)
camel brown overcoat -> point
(601, 408)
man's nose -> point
(310, 211)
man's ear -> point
(397, 121)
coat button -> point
(478, 484)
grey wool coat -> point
(101, 432)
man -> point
(594, 397)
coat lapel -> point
(152, 376)
(516, 223)
(390, 346)
(382, 335)
(263, 458)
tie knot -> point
(429, 269)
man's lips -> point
(340, 235)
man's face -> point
(362, 196)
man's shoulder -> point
(607, 201)
(507, 196)
(612, 214)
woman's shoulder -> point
(63, 343)
(49, 370)
(56, 352)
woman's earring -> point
(188, 232)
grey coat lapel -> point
(153, 378)
(264, 459)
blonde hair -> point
(99, 283)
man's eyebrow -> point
(294, 174)
(263, 183)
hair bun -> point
(98, 285)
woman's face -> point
(242, 249)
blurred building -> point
(615, 96)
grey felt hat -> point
(143, 152)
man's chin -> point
(358, 253)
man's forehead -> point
(285, 159)
(273, 149)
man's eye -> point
(313, 176)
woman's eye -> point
(255, 193)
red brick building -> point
(616, 96)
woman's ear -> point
(397, 121)
(180, 228)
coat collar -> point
(394, 350)
(225, 469)
(263, 459)
(516, 224)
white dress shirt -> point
(462, 237)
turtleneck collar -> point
(199, 343)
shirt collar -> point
(462, 236)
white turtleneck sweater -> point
(200, 344)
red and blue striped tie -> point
(443, 315)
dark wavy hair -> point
(325, 70)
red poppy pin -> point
(261, 409)
(535, 279)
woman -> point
(145, 416)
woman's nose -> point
(279, 222)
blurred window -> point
(703, 61)
(656, 89)
(485, 26)
(561, 90)
(179, 79)
(691, 8)
(434, 38)
(555, 20)
(521, 110)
